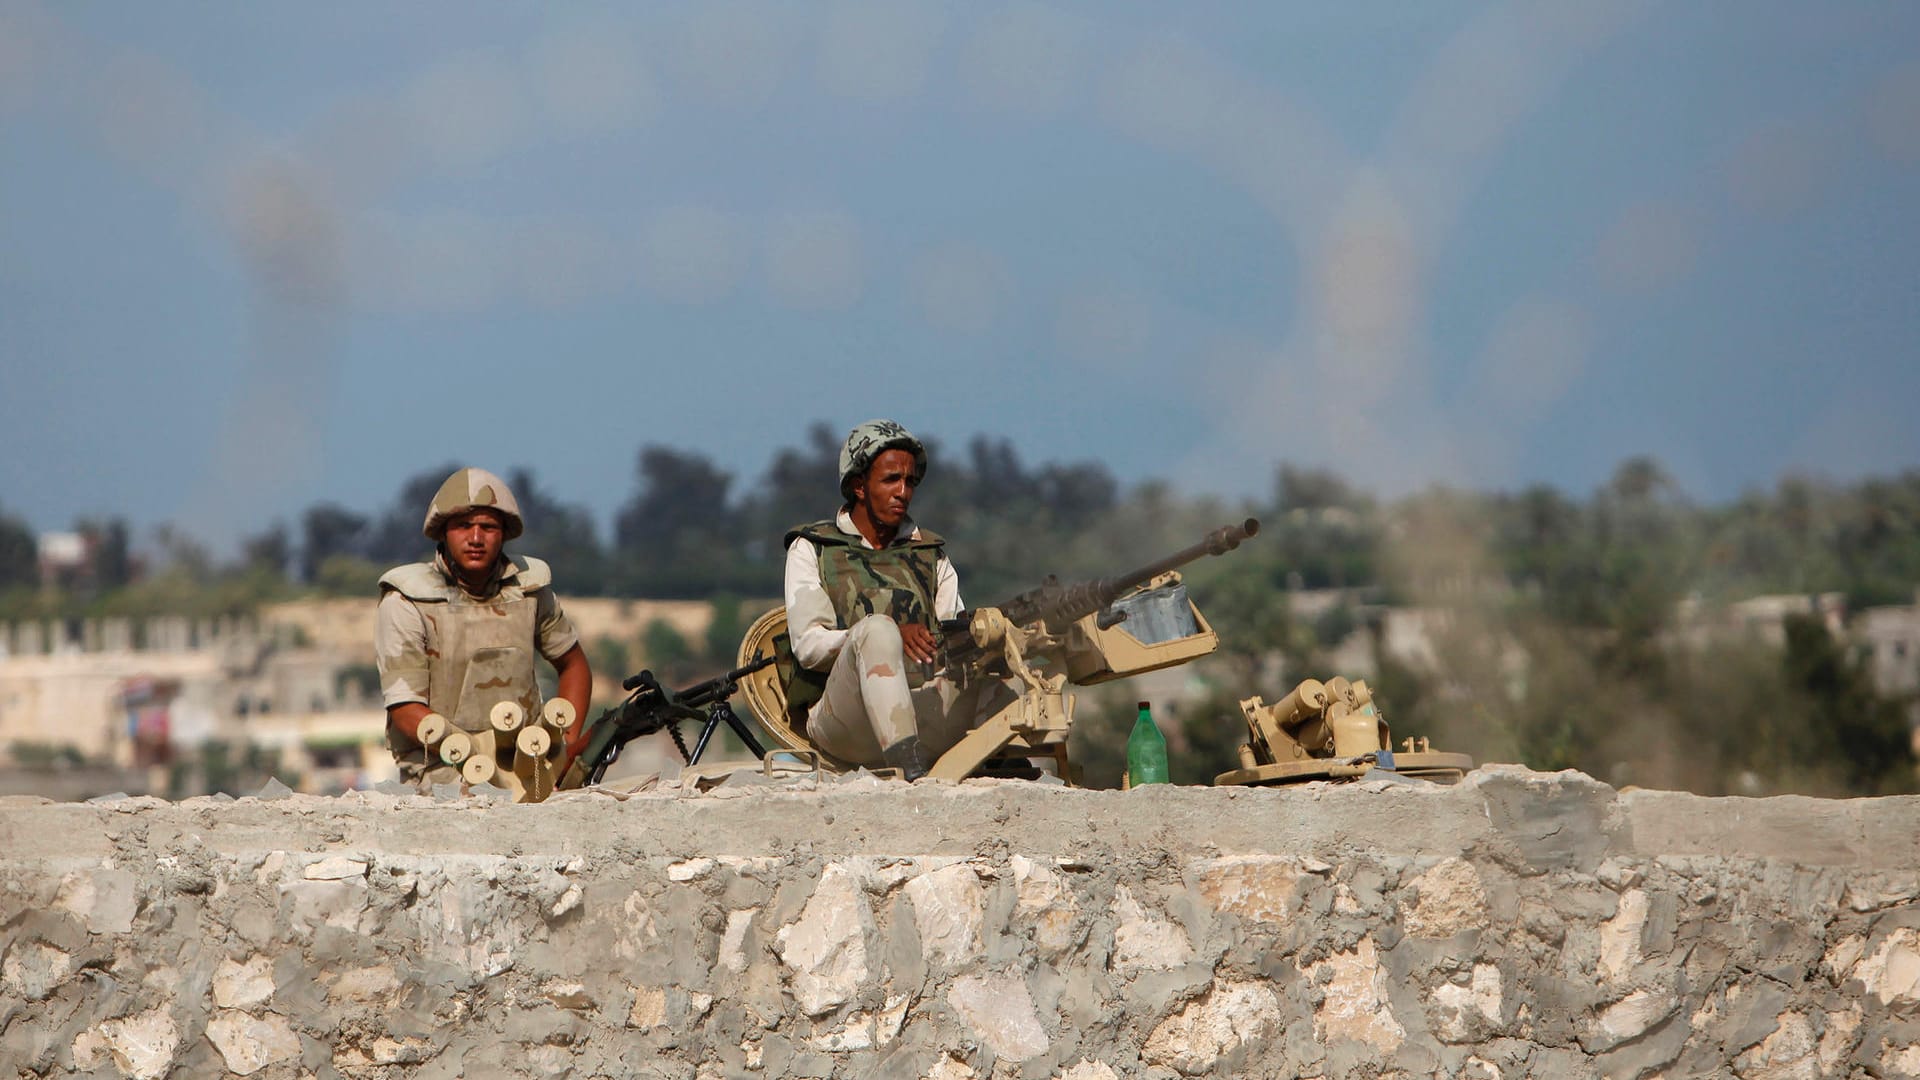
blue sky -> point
(253, 256)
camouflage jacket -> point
(834, 577)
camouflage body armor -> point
(479, 652)
(896, 581)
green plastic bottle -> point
(1146, 751)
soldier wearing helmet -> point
(865, 593)
(457, 634)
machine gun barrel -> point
(652, 707)
(1060, 606)
(699, 693)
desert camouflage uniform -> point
(457, 653)
(851, 685)
(460, 654)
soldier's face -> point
(887, 491)
(474, 540)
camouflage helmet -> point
(471, 489)
(866, 441)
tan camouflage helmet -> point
(471, 489)
(866, 441)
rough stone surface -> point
(1000, 1010)
(948, 1067)
(1515, 925)
(1195, 1040)
(948, 906)
(248, 1044)
(1465, 1008)
(1620, 937)
(1142, 941)
(103, 899)
(1892, 972)
(826, 949)
(1256, 888)
(34, 969)
(1354, 1001)
(141, 1046)
(1448, 900)
(1046, 904)
(243, 986)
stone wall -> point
(1517, 925)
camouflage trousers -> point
(868, 704)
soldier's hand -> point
(918, 642)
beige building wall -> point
(347, 624)
(74, 699)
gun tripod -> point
(720, 712)
(717, 713)
(654, 706)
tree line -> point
(1565, 643)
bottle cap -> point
(1143, 705)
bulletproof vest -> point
(479, 651)
(898, 581)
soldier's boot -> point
(909, 757)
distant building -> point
(137, 694)
(64, 558)
(1888, 640)
(299, 680)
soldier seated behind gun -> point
(865, 593)
(457, 634)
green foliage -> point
(268, 552)
(1325, 534)
(1097, 745)
(562, 535)
(329, 532)
(23, 603)
(180, 591)
(390, 537)
(28, 754)
(1859, 738)
(19, 553)
(725, 630)
(1212, 728)
(348, 575)
(218, 767)
(678, 537)
(1335, 625)
(609, 657)
(666, 651)
(1246, 600)
(1203, 734)
(112, 561)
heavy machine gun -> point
(1055, 608)
(1054, 634)
(1037, 642)
(651, 707)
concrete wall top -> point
(1533, 821)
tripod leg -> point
(740, 729)
(706, 734)
(719, 712)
